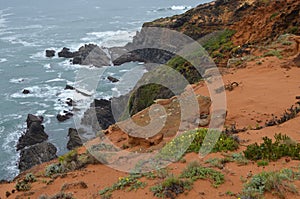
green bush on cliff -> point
(283, 146)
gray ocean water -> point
(29, 27)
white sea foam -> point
(16, 40)
(3, 60)
(110, 38)
(180, 7)
(55, 80)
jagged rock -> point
(89, 54)
(66, 53)
(68, 87)
(112, 79)
(104, 115)
(34, 133)
(64, 116)
(25, 91)
(74, 139)
(50, 53)
(36, 154)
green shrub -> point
(268, 150)
(195, 171)
(171, 187)
(271, 53)
(262, 163)
(53, 169)
(274, 182)
(30, 178)
(23, 186)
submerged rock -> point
(25, 91)
(112, 79)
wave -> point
(110, 38)
(3, 60)
(16, 40)
(172, 8)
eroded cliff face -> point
(254, 20)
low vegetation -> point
(25, 184)
(283, 146)
(277, 183)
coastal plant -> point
(52, 169)
(30, 178)
(60, 195)
(283, 146)
(271, 53)
(277, 183)
(171, 187)
(262, 163)
(129, 183)
(23, 185)
(195, 171)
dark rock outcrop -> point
(89, 54)
(33, 146)
(25, 91)
(34, 133)
(36, 154)
(66, 53)
(112, 79)
(74, 139)
(50, 53)
(147, 55)
(65, 116)
(99, 116)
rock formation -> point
(33, 146)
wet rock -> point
(66, 53)
(34, 133)
(50, 53)
(36, 154)
(68, 87)
(61, 117)
(25, 91)
(70, 102)
(33, 146)
(112, 79)
(74, 139)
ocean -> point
(28, 28)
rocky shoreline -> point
(188, 23)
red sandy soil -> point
(264, 89)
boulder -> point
(34, 133)
(50, 53)
(61, 117)
(25, 91)
(69, 87)
(36, 154)
(74, 139)
(112, 79)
